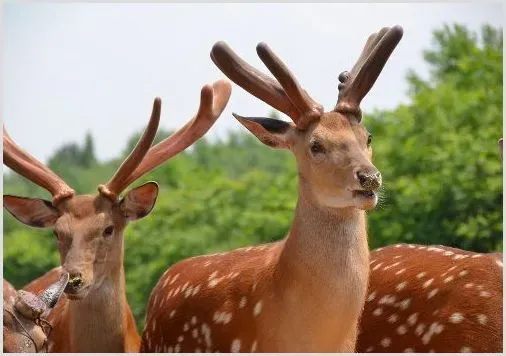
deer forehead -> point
(85, 206)
(335, 127)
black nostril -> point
(362, 178)
(75, 280)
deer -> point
(24, 324)
(432, 299)
(95, 315)
(305, 292)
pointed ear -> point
(139, 202)
(272, 132)
(30, 211)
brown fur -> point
(98, 317)
(304, 293)
(473, 288)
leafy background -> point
(438, 155)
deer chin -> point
(77, 294)
(365, 199)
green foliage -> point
(438, 156)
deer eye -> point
(316, 147)
(108, 231)
(369, 140)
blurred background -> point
(79, 80)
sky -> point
(73, 68)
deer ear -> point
(139, 202)
(272, 132)
(30, 211)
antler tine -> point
(374, 56)
(119, 180)
(213, 100)
(252, 80)
(29, 167)
(307, 108)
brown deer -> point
(89, 231)
(433, 299)
(304, 293)
(24, 324)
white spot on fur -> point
(476, 255)
(390, 266)
(206, 331)
(463, 273)
(400, 271)
(242, 302)
(377, 266)
(484, 294)
(405, 303)
(412, 319)
(468, 285)
(393, 318)
(369, 349)
(466, 349)
(401, 286)
(456, 318)
(482, 319)
(186, 327)
(419, 329)
(448, 279)
(194, 320)
(236, 346)
(195, 290)
(428, 283)
(257, 309)
(432, 293)
(371, 296)
(177, 348)
(387, 299)
(212, 275)
(448, 253)
(180, 338)
(174, 279)
(499, 263)
(172, 313)
(386, 342)
(222, 317)
(421, 275)
(401, 329)
(213, 282)
(254, 346)
(377, 312)
(409, 349)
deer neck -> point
(101, 315)
(322, 274)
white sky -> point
(69, 68)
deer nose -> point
(75, 280)
(369, 180)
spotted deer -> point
(305, 292)
(95, 316)
(432, 299)
(24, 326)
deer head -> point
(332, 149)
(89, 228)
(25, 329)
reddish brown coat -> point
(432, 299)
